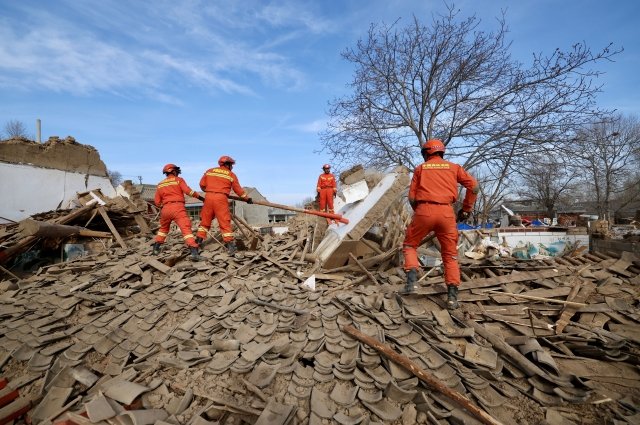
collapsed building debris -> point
(66, 166)
(120, 336)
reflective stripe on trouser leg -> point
(416, 230)
(184, 223)
(206, 217)
(216, 205)
(449, 251)
(166, 216)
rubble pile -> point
(124, 337)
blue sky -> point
(149, 83)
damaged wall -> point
(43, 177)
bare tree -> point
(545, 178)
(115, 177)
(451, 80)
(607, 151)
(493, 192)
(15, 129)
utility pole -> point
(140, 179)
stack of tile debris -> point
(122, 337)
(97, 219)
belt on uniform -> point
(432, 202)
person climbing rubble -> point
(433, 191)
(217, 183)
(326, 189)
(170, 197)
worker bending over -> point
(170, 197)
(217, 183)
(433, 191)
(326, 189)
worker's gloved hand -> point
(249, 201)
(414, 204)
(463, 215)
(335, 194)
(200, 197)
(317, 196)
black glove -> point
(200, 197)
(413, 204)
(249, 201)
(317, 196)
(335, 194)
(463, 215)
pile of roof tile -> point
(123, 337)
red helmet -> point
(326, 166)
(226, 160)
(169, 168)
(433, 146)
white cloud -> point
(310, 127)
(146, 50)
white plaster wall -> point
(28, 190)
(515, 239)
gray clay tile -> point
(321, 404)
(344, 393)
(353, 419)
(395, 393)
(323, 377)
(221, 361)
(370, 396)
(384, 409)
(379, 374)
(262, 375)
(299, 391)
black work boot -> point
(199, 241)
(452, 297)
(195, 255)
(410, 286)
(156, 248)
(231, 247)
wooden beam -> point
(498, 280)
(364, 269)
(43, 229)
(423, 375)
(6, 271)
(282, 266)
(113, 229)
(531, 297)
(10, 252)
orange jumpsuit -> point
(433, 190)
(170, 196)
(217, 183)
(326, 189)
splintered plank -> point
(157, 265)
(498, 280)
(282, 266)
(113, 229)
(579, 293)
(621, 265)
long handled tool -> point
(331, 216)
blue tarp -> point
(537, 222)
(465, 226)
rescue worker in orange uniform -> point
(326, 189)
(170, 197)
(433, 191)
(217, 183)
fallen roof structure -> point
(121, 336)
